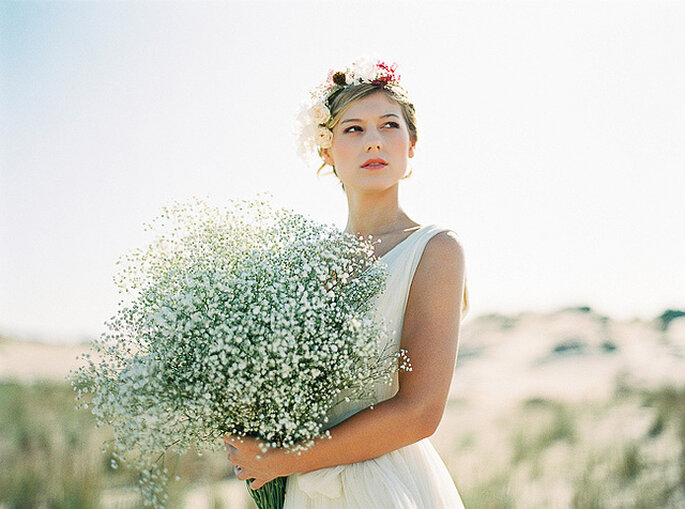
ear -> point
(412, 148)
(328, 159)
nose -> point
(373, 141)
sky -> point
(550, 139)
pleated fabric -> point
(413, 477)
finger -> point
(256, 484)
(229, 439)
(240, 473)
(233, 455)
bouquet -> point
(249, 320)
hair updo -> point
(339, 101)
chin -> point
(377, 186)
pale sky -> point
(550, 139)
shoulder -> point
(440, 274)
(444, 252)
(445, 241)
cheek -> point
(341, 150)
(403, 144)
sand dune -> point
(570, 354)
(26, 361)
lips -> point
(375, 163)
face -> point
(372, 127)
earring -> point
(411, 170)
(339, 180)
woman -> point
(363, 125)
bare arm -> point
(430, 334)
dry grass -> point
(58, 459)
(628, 451)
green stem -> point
(269, 496)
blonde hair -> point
(339, 101)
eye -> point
(351, 127)
(394, 124)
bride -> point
(362, 124)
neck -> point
(375, 213)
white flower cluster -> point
(312, 131)
(245, 319)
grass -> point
(604, 466)
(57, 458)
(542, 424)
(589, 493)
(466, 441)
(630, 463)
(47, 447)
(669, 403)
(617, 479)
(668, 316)
(493, 493)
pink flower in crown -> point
(329, 78)
(386, 73)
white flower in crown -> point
(324, 137)
(363, 70)
(320, 113)
(307, 132)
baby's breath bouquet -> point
(245, 319)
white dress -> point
(413, 477)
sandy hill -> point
(573, 353)
(570, 354)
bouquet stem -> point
(269, 496)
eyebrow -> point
(359, 119)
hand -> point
(255, 484)
(251, 463)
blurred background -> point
(550, 139)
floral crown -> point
(315, 113)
